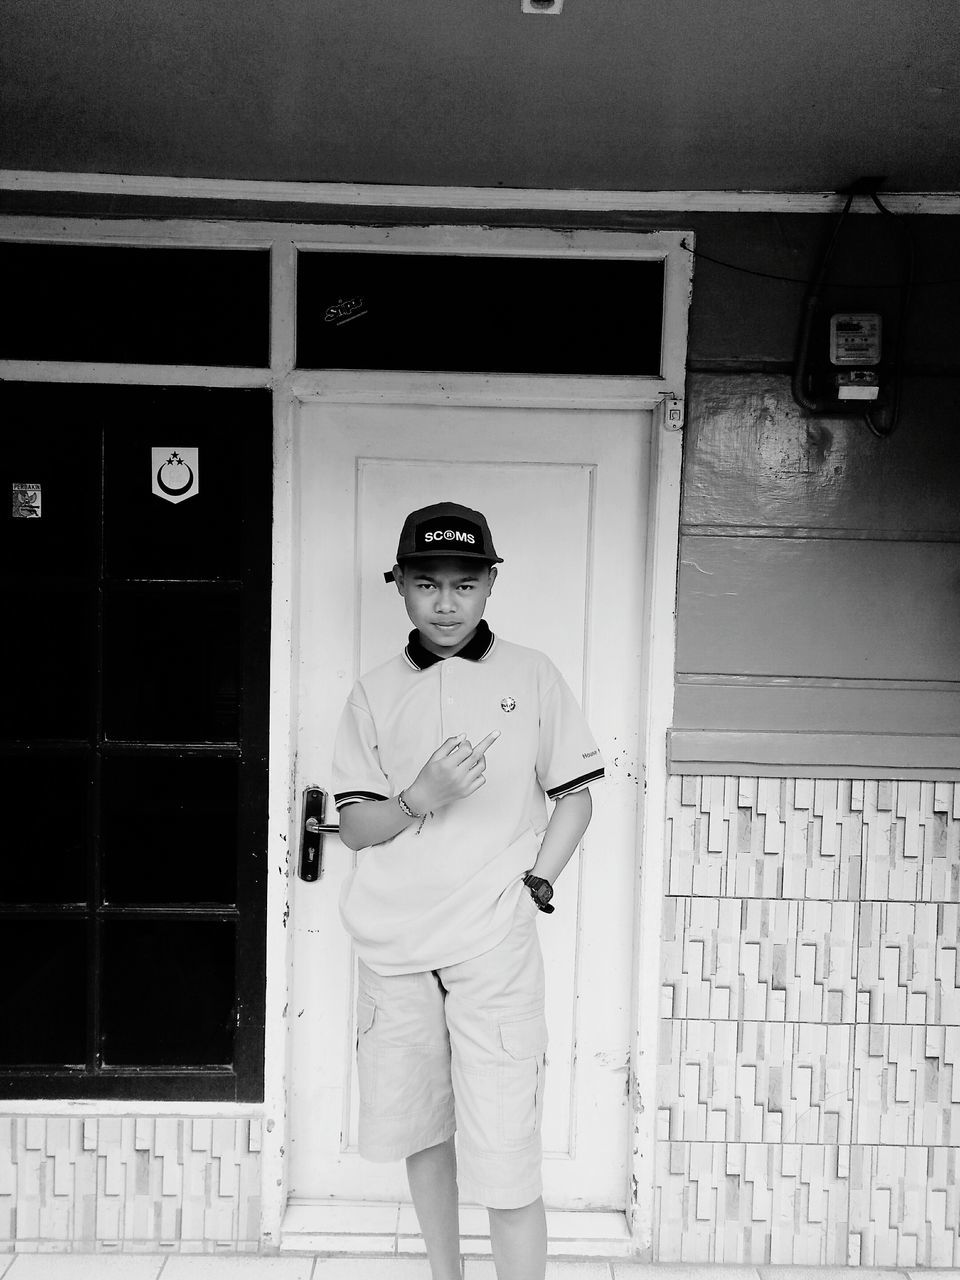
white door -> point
(565, 493)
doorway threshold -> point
(368, 1228)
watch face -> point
(544, 891)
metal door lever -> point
(314, 826)
(312, 830)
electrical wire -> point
(798, 382)
(908, 253)
(885, 422)
(805, 280)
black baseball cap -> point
(445, 529)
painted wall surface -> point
(808, 1105)
(819, 587)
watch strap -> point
(536, 884)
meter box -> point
(855, 339)
(855, 353)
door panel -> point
(556, 486)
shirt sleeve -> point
(357, 774)
(569, 758)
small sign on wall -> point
(175, 472)
(25, 504)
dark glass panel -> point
(171, 665)
(49, 481)
(146, 306)
(513, 315)
(49, 664)
(207, 534)
(168, 992)
(43, 999)
(169, 829)
(44, 844)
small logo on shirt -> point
(508, 704)
(588, 754)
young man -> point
(443, 760)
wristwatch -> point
(541, 891)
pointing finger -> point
(481, 747)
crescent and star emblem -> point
(175, 461)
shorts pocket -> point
(366, 1053)
(526, 907)
(366, 1012)
(524, 1043)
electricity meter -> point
(855, 351)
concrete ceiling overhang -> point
(693, 95)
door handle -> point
(312, 830)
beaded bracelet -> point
(405, 808)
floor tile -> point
(243, 1267)
(84, 1266)
(577, 1269)
(326, 1244)
(474, 1231)
(407, 1224)
(343, 1218)
(608, 1249)
(838, 1273)
(563, 1225)
(624, 1269)
(557, 1269)
(470, 1246)
(372, 1269)
(473, 1221)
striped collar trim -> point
(475, 650)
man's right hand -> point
(454, 771)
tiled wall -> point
(809, 1078)
(117, 1184)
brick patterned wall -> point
(809, 1077)
(119, 1184)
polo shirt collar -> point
(475, 650)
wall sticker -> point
(175, 472)
(345, 309)
(25, 504)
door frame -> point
(663, 394)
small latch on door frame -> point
(669, 412)
(312, 830)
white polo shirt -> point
(427, 899)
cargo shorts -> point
(460, 1049)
